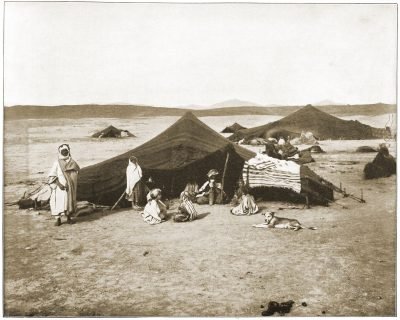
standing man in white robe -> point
(63, 180)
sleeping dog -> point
(272, 221)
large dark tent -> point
(188, 148)
(323, 125)
(233, 128)
(111, 132)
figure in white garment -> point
(63, 180)
(135, 188)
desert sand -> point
(113, 264)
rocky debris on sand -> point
(146, 253)
(77, 250)
(281, 308)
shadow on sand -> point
(99, 214)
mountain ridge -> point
(130, 111)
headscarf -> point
(153, 194)
(212, 172)
(61, 148)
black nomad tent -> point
(323, 126)
(188, 148)
(233, 128)
(112, 132)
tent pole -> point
(223, 176)
(172, 186)
(247, 176)
(307, 201)
(120, 198)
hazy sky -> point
(180, 54)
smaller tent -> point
(233, 128)
(314, 149)
(366, 149)
(112, 132)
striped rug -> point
(264, 171)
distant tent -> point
(315, 149)
(366, 149)
(188, 148)
(321, 124)
(112, 132)
(233, 128)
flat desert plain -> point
(113, 264)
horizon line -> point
(189, 106)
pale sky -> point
(181, 54)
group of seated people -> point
(281, 149)
(155, 211)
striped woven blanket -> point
(264, 171)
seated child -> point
(247, 205)
(186, 210)
(155, 210)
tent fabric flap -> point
(265, 171)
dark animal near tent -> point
(384, 165)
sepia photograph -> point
(214, 159)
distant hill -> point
(131, 111)
(326, 103)
(234, 103)
(323, 126)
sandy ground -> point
(113, 264)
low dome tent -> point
(366, 149)
(112, 132)
(233, 128)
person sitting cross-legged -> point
(247, 205)
(186, 210)
(155, 210)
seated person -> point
(289, 150)
(271, 151)
(238, 193)
(247, 205)
(155, 210)
(186, 210)
(210, 192)
(281, 141)
(192, 189)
